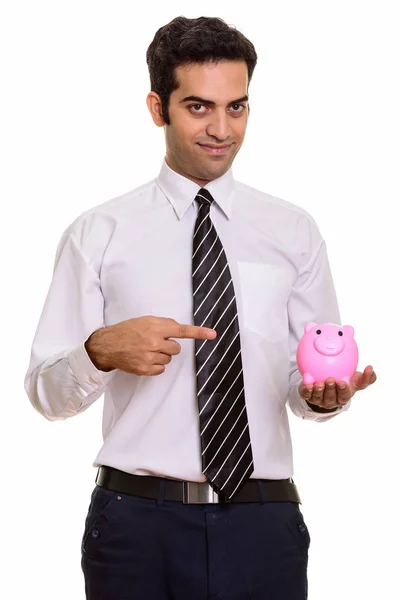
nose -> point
(218, 127)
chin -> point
(211, 174)
(219, 163)
(219, 169)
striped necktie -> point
(227, 459)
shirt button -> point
(95, 533)
(91, 380)
(302, 527)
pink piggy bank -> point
(327, 350)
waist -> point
(190, 492)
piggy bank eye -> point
(318, 332)
(340, 333)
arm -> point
(74, 356)
(313, 298)
(61, 380)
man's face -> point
(208, 116)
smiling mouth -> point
(215, 149)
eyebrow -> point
(211, 102)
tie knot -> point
(204, 197)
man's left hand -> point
(334, 394)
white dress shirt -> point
(130, 257)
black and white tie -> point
(227, 459)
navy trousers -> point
(139, 549)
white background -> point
(324, 133)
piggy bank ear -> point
(309, 326)
(349, 330)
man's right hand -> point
(141, 346)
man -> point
(183, 302)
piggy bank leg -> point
(308, 379)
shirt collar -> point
(182, 191)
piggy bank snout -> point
(329, 345)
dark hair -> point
(189, 41)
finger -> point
(366, 379)
(330, 393)
(149, 370)
(370, 374)
(178, 330)
(155, 370)
(344, 393)
(159, 358)
(305, 391)
(170, 347)
(318, 393)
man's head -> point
(200, 70)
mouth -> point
(215, 150)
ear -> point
(154, 105)
(309, 326)
(349, 329)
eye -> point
(238, 108)
(340, 333)
(318, 332)
(197, 108)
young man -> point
(183, 302)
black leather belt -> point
(191, 492)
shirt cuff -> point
(323, 414)
(87, 375)
(321, 409)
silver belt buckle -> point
(199, 493)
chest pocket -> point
(265, 291)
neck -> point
(200, 182)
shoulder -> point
(104, 217)
(275, 216)
(268, 205)
(91, 231)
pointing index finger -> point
(193, 332)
